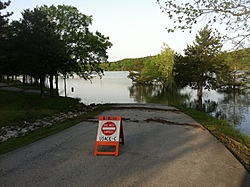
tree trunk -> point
(31, 80)
(51, 85)
(64, 78)
(56, 81)
(42, 81)
(199, 95)
(36, 81)
(23, 79)
(200, 90)
(235, 78)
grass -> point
(216, 126)
(16, 107)
(47, 131)
(36, 108)
(235, 141)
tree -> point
(3, 37)
(235, 72)
(38, 49)
(136, 74)
(84, 47)
(159, 68)
(234, 14)
(198, 67)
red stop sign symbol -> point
(108, 128)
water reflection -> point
(157, 94)
(207, 105)
(115, 87)
(234, 107)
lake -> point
(115, 87)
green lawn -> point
(16, 107)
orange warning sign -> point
(109, 133)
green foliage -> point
(234, 14)
(137, 74)
(235, 72)
(53, 40)
(148, 70)
(127, 64)
(64, 105)
(37, 49)
(3, 38)
(217, 127)
(159, 68)
(197, 68)
(86, 49)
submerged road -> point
(163, 148)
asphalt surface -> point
(163, 147)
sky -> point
(136, 28)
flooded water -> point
(115, 87)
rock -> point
(56, 119)
(23, 132)
(3, 139)
(3, 131)
(71, 117)
(47, 124)
(26, 124)
(7, 133)
(31, 128)
(37, 124)
(11, 134)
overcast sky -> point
(137, 28)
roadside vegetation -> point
(17, 107)
(236, 142)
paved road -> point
(163, 147)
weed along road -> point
(162, 147)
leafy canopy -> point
(159, 68)
(3, 37)
(198, 67)
(234, 14)
(85, 48)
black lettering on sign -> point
(107, 138)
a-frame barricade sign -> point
(109, 133)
